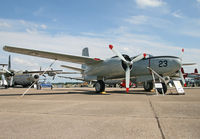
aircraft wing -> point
(73, 68)
(52, 55)
(81, 79)
(2, 72)
(41, 71)
(189, 64)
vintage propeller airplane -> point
(119, 66)
(25, 78)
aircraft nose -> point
(36, 77)
(178, 63)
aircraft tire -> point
(148, 86)
(164, 89)
(100, 86)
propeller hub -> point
(126, 64)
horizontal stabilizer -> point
(3, 65)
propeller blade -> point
(11, 81)
(182, 53)
(7, 70)
(117, 53)
(127, 79)
(139, 57)
(182, 78)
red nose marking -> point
(144, 55)
(182, 50)
(185, 85)
(127, 90)
(110, 46)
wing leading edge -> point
(52, 55)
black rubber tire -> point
(148, 87)
(100, 86)
(164, 89)
(6, 86)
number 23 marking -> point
(163, 63)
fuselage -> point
(113, 68)
(25, 79)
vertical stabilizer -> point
(9, 63)
(182, 70)
(195, 70)
(85, 52)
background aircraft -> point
(194, 75)
(27, 78)
(3, 71)
(192, 79)
(119, 66)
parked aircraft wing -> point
(188, 64)
(2, 72)
(69, 72)
(72, 78)
(41, 71)
(73, 68)
(55, 56)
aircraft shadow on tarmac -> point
(79, 91)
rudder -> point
(85, 52)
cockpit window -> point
(147, 56)
(114, 57)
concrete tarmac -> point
(79, 113)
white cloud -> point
(4, 25)
(39, 11)
(195, 34)
(149, 3)
(140, 19)
(43, 26)
(20, 61)
(149, 21)
(198, 1)
(177, 14)
(21, 26)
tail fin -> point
(9, 63)
(195, 70)
(182, 70)
(85, 52)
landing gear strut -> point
(100, 86)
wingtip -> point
(111, 46)
(5, 48)
(144, 55)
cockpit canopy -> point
(147, 56)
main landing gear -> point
(99, 86)
(148, 86)
(164, 89)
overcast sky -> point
(158, 27)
